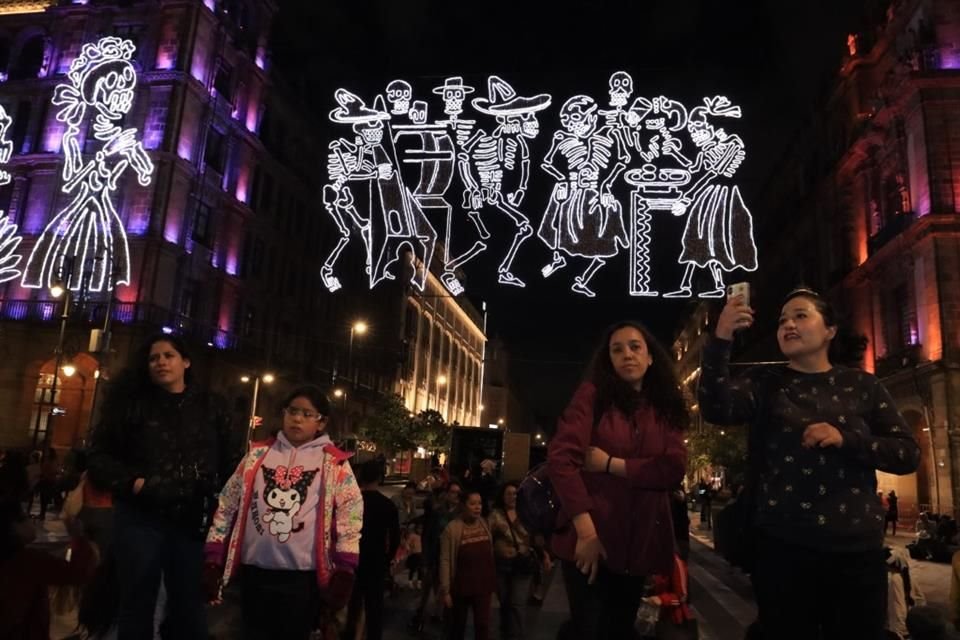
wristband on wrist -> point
(609, 460)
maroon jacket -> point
(632, 514)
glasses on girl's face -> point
(294, 412)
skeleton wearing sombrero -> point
(390, 217)
(496, 167)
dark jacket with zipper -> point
(632, 515)
(181, 444)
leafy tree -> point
(718, 447)
(389, 425)
(430, 431)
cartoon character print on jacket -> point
(284, 493)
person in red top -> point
(468, 575)
(616, 455)
(27, 574)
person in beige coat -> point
(468, 575)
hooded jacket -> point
(338, 516)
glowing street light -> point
(69, 369)
(357, 328)
(266, 378)
(338, 393)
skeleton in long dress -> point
(9, 240)
(719, 230)
(583, 218)
(101, 83)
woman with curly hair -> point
(617, 454)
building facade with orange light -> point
(223, 242)
(865, 206)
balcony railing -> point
(905, 358)
(125, 313)
(897, 225)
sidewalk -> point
(932, 577)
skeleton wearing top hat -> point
(491, 161)
(390, 218)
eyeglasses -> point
(293, 412)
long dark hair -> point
(661, 387)
(498, 501)
(134, 380)
(136, 375)
(848, 346)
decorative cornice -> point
(8, 7)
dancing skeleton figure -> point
(454, 92)
(393, 217)
(9, 240)
(101, 84)
(501, 155)
(719, 231)
(583, 218)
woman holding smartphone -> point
(819, 431)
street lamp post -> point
(56, 290)
(341, 395)
(359, 328)
(267, 378)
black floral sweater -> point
(826, 498)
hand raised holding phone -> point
(737, 313)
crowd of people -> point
(171, 512)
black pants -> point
(605, 609)
(368, 595)
(278, 603)
(145, 548)
(803, 593)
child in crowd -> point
(289, 519)
(414, 546)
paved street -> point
(720, 596)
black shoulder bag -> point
(738, 540)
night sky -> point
(774, 58)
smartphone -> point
(739, 289)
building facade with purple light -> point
(222, 242)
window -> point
(188, 301)
(899, 320)
(30, 60)
(215, 155)
(157, 118)
(21, 120)
(256, 258)
(44, 401)
(223, 81)
(132, 32)
(201, 224)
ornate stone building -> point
(867, 202)
(223, 242)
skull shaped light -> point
(621, 88)
(579, 116)
(399, 94)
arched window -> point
(43, 402)
(28, 63)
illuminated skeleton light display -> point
(88, 231)
(9, 240)
(614, 171)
